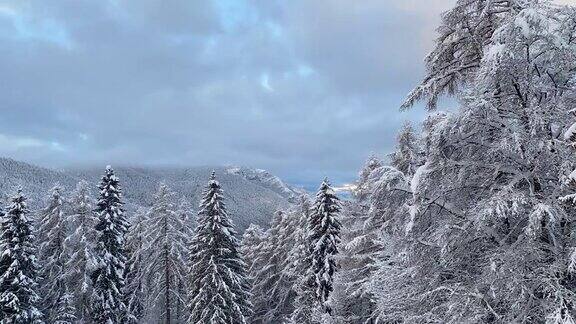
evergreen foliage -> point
(52, 253)
(108, 276)
(80, 248)
(219, 289)
(18, 268)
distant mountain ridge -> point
(252, 195)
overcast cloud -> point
(305, 89)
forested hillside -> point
(254, 194)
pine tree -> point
(136, 288)
(18, 269)
(166, 266)
(80, 247)
(324, 232)
(108, 276)
(65, 312)
(219, 285)
(52, 253)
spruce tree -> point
(324, 236)
(52, 253)
(64, 312)
(108, 276)
(136, 283)
(80, 248)
(18, 269)
(306, 304)
(219, 286)
(166, 265)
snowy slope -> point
(33, 180)
(249, 198)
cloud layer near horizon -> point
(301, 88)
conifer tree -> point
(18, 269)
(324, 232)
(186, 214)
(65, 311)
(166, 266)
(52, 253)
(306, 305)
(297, 259)
(108, 276)
(136, 283)
(252, 241)
(188, 221)
(266, 273)
(219, 286)
(80, 248)
(274, 259)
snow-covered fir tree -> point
(136, 288)
(219, 289)
(316, 283)
(108, 277)
(52, 254)
(64, 312)
(165, 266)
(324, 236)
(18, 268)
(297, 265)
(80, 249)
(307, 308)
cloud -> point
(306, 89)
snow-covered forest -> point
(472, 219)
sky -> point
(304, 89)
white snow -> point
(415, 182)
(570, 132)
